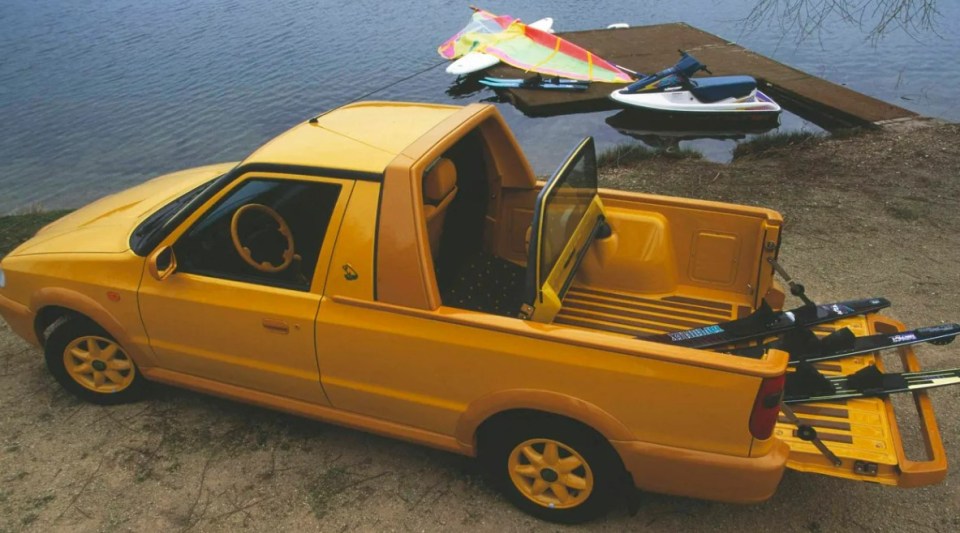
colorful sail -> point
(529, 49)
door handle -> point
(276, 326)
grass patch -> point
(768, 143)
(14, 229)
(847, 133)
(41, 501)
(625, 155)
(905, 211)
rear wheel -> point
(553, 468)
(91, 364)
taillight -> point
(766, 407)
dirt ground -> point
(875, 214)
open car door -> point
(567, 216)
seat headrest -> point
(441, 179)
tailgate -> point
(863, 432)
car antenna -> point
(316, 118)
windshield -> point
(145, 230)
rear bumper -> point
(19, 318)
(703, 475)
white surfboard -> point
(472, 62)
(477, 61)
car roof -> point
(363, 137)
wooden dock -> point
(650, 49)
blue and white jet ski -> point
(676, 91)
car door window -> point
(265, 231)
(566, 218)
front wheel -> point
(91, 364)
(554, 469)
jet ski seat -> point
(714, 89)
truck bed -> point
(486, 283)
(636, 315)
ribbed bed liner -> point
(634, 315)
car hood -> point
(105, 225)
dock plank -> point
(649, 49)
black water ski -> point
(870, 382)
(766, 322)
(842, 343)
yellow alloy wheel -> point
(98, 364)
(550, 473)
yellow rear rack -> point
(863, 432)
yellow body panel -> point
(352, 269)
(212, 327)
(364, 136)
(370, 344)
(99, 285)
(410, 381)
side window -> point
(265, 231)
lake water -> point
(99, 96)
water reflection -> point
(805, 19)
(666, 132)
(465, 87)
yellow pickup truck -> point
(398, 268)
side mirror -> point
(162, 263)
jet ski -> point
(675, 91)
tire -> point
(553, 468)
(91, 364)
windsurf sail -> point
(527, 48)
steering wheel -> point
(244, 251)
